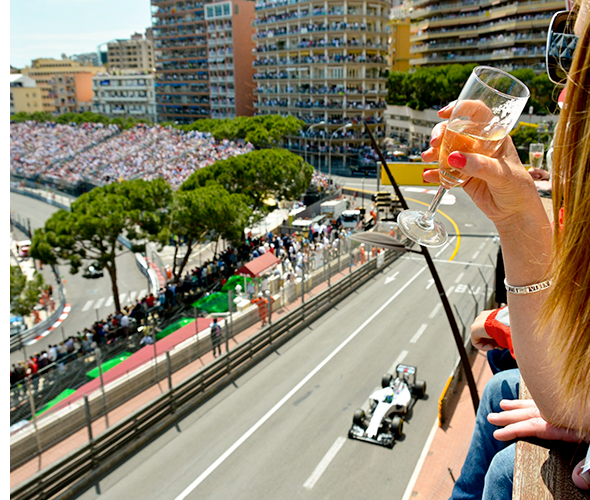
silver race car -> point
(382, 423)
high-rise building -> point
(324, 61)
(134, 54)
(66, 85)
(24, 94)
(507, 34)
(230, 57)
(125, 95)
(203, 54)
(180, 52)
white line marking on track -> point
(475, 255)
(450, 291)
(324, 462)
(398, 360)
(99, 303)
(420, 463)
(482, 246)
(109, 301)
(418, 334)
(88, 305)
(430, 283)
(142, 293)
(122, 297)
(459, 277)
(435, 310)
(132, 296)
(205, 474)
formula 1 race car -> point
(92, 272)
(382, 423)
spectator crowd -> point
(103, 153)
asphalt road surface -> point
(281, 430)
(89, 298)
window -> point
(217, 10)
(226, 11)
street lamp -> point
(390, 242)
(348, 125)
(305, 152)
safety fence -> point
(74, 473)
(70, 373)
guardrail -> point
(18, 341)
(76, 472)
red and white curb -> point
(64, 315)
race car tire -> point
(419, 389)
(386, 380)
(397, 426)
(359, 417)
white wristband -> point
(523, 290)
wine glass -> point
(536, 151)
(488, 106)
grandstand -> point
(100, 154)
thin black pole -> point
(439, 286)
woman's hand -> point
(522, 418)
(500, 185)
(479, 337)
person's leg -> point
(483, 447)
(499, 479)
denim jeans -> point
(499, 479)
(483, 446)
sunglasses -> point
(561, 43)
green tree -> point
(262, 131)
(204, 213)
(436, 86)
(267, 173)
(89, 232)
(24, 294)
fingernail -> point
(456, 160)
(445, 108)
(434, 138)
(586, 476)
(424, 173)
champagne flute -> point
(536, 151)
(488, 107)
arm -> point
(503, 189)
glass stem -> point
(426, 221)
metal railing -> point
(80, 469)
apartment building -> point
(180, 54)
(24, 94)
(230, 57)
(324, 62)
(66, 85)
(507, 34)
(193, 44)
(125, 95)
(133, 54)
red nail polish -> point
(456, 160)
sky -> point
(50, 28)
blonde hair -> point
(568, 305)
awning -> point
(259, 265)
